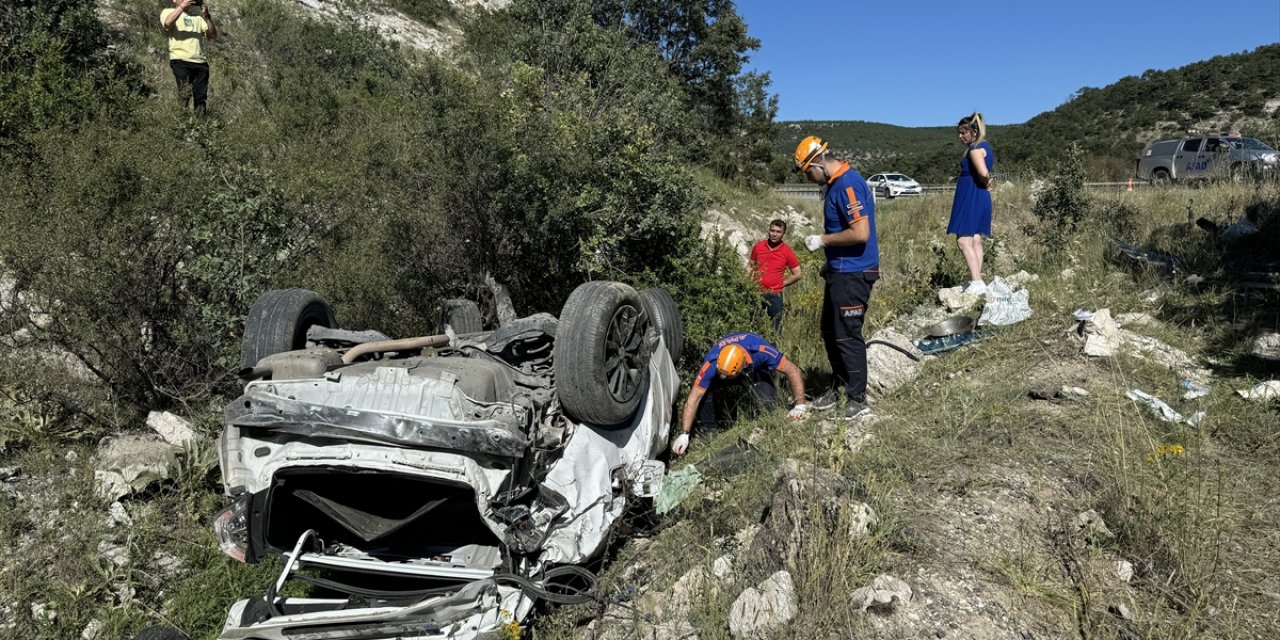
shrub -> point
(1063, 204)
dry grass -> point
(967, 472)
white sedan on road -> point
(892, 185)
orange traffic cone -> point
(1130, 187)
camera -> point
(196, 3)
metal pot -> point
(952, 326)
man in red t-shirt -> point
(775, 266)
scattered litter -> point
(1194, 390)
(677, 487)
(1166, 412)
(1135, 318)
(1261, 391)
(1005, 305)
(931, 346)
(1082, 315)
(1196, 418)
(1055, 394)
(1101, 334)
(1074, 393)
(1164, 262)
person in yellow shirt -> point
(188, 24)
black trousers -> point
(193, 82)
(844, 305)
(763, 391)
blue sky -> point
(930, 63)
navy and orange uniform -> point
(847, 202)
(756, 375)
(765, 357)
(851, 271)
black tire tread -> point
(278, 322)
(160, 632)
(664, 316)
(579, 353)
(463, 315)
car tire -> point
(463, 315)
(601, 355)
(278, 322)
(160, 632)
(1160, 177)
(664, 315)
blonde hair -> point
(976, 123)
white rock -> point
(862, 518)
(884, 593)
(131, 463)
(760, 609)
(1021, 278)
(43, 612)
(857, 436)
(955, 299)
(118, 515)
(1121, 611)
(1124, 570)
(889, 368)
(722, 568)
(116, 554)
(173, 429)
(93, 631)
(1266, 346)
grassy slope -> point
(978, 485)
(1199, 526)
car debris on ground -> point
(441, 486)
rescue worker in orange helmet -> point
(852, 266)
(738, 358)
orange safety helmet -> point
(732, 360)
(809, 149)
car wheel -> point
(160, 632)
(278, 322)
(1160, 177)
(601, 355)
(1241, 172)
(664, 314)
(463, 315)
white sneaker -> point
(976, 287)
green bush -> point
(1063, 205)
(556, 154)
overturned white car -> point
(437, 487)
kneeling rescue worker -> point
(738, 358)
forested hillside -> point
(1239, 92)
(557, 142)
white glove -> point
(813, 243)
(680, 445)
(797, 412)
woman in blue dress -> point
(971, 210)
